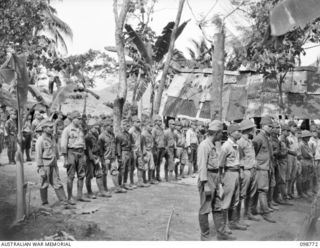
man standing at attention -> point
(208, 180)
(192, 145)
(72, 149)
(263, 151)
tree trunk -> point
(122, 90)
(217, 75)
(169, 56)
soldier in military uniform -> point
(147, 144)
(73, 148)
(58, 129)
(275, 145)
(283, 165)
(306, 161)
(107, 144)
(314, 143)
(124, 144)
(27, 138)
(248, 183)
(181, 151)
(263, 151)
(93, 155)
(230, 167)
(292, 158)
(192, 145)
(46, 160)
(137, 152)
(159, 151)
(207, 161)
(170, 144)
(10, 135)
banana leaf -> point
(163, 41)
(37, 94)
(144, 52)
(8, 99)
(20, 63)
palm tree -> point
(201, 54)
(54, 28)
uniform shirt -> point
(66, 122)
(136, 135)
(207, 158)
(124, 142)
(107, 143)
(72, 137)
(147, 140)
(315, 146)
(191, 137)
(92, 145)
(158, 136)
(180, 138)
(27, 127)
(306, 152)
(293, 143)
(58, 127)
(170, 138)
(46, 151)
(11, 127)
(263, 150)
(35, 124)
(247, 154)
(229, 156)
(283, 153)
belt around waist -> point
(76, 149)
(213, 170)
(126, 150)
(237, 169)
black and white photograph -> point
(159, 120)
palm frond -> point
(139, 44)
(37, 94)
(59, 24)
(8, 99)
(163, 41)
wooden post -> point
(21, 203)
(217, 75)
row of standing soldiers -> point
(90, 149)
(258, 172)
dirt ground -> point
(141, 214)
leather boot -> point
(28, 155)
(44, 196)
(152, 177)
(166, 175)
(104, 182)
(222, 217)
(204, 227)
(144, 177)
(69, 191)
(249, 213)
(270, 199)
(234, 221)
(102, 192)
(79, 191)
(157, 173)
(61, 194)
(89, 189)
(241, 221)
(264, 207)
(140, 180)
(176, 172)
(182, 171)
(118, 189)
(284, 195)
